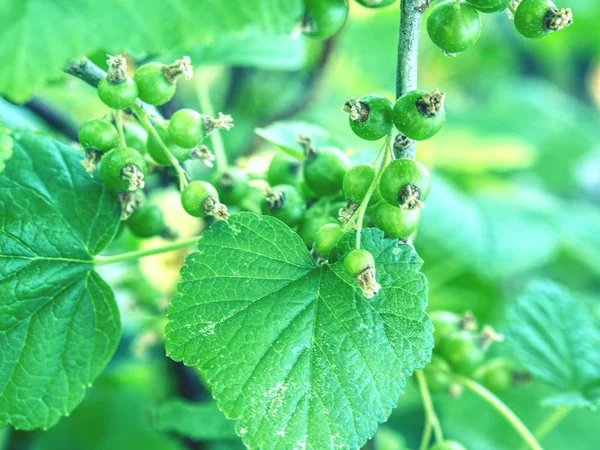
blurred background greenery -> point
(516, 197)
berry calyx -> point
(360, 265)
(324, 18)
(156, 82)
(285, 203)
(200, 199)
(419, 114)
(402, 147)
(370, 116)
(117, 90)
(405, 183)
(326, 238)
(396, 222)
(535, 19)
(453, 26)
(123, 169)
(324, 169)
(148, 221)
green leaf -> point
(494, 236)
(556, 339)
(59, 324)
(293, 351)
(285, 136)
(72, 30)
(200, 421)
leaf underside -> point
(293, 350)
(59, 323)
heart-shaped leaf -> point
(294, 351)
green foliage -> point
(555, 338)
(305, 332)
(199, 421)
(285, 136)
(59, 323)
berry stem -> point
(360, 213)
(551, 421)
(499, 406)
(431, 418)
(411, 12)
(206, 105)
(119, 123)
(143, 118)
(130, 256)
(510, 6)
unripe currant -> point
(232, 186)
(453, 26)
(324, 18)
(148, 221)
(284, 169)
(360, 265)
(375, 3)
(370, 116)
(98, 135)
(405, 183)
(326, 238)
(488, 6)
(396, 223)
(117, 90)
(420, 115)
(158, 153)
(535, 19)
(156, 82)
(200, 199)
(123, 169)
(188, 128)
(324, 168)
(285, 203)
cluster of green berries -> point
(455, 25)
(125, 155)
(417, 115)
(323, 19)
(461, 348)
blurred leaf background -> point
(516, 175)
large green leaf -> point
(557, 340)
(495, 236)
(37, 37)
(285, 136)
(294, 351)
(59, 324)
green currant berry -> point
(136, 137)
(152, 84)
(158, 154)
(324, 170)
(284, 169)
(357, 182)
(463, 352)
(324, 18)
(370, 116)
(285, 203)
(437, 373)
(496, 374)
(420, 115)
(405, 182)
(445, 323)
(375, 3)
(311, 225)
(186, 128)
(535, 19)
(448, 445)
(326, 238)
(454, 27)
(396, 222)
(117, 95)
(253, 200)
(148, 221)
(98, 135)
(357, 261)
(197, 198)
(232, 186)
(488, 6)
(123, 169)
